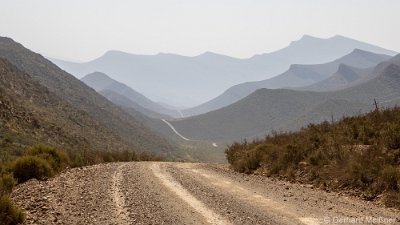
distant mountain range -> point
(119, 92)
(51, 105)
(190, 81)
(295, 76)
(39, 102)
(266, 110)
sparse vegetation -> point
(42, 162)
(57, 159)
(28, 167)
(360, 155)
(9, 213)
(7, 182)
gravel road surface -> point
(186, 193)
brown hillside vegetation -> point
(30, 113)
(359, 154)
(121, 131)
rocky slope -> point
(30, 113)
(125, 129)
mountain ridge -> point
(102, 82)
(74, 92)
(190, 81)
(266, 110)
(296, 76)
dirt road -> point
(185, 193)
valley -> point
(305, 134)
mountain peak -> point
(360, 51)
(115, 55)
(96, 75)
(346, 72)
(396, 59)
(391, 71)
(208, 53)
(308, 37)
(338, 36)
(305, 38)
(114, 52)
(97, 80)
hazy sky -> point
(81, 30)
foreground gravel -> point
(185, 193)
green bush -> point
(9, 213)
(57, 159)
(28, 167)
(7, 182)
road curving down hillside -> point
(186, 193)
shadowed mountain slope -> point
(75, 93)
(348, 76)
(266, 110)
(296, 76)
(344, 77)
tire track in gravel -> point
(247, 199)
(210, 216)
(181, 193)
(249, 196)
(121, 214)
(241, 204)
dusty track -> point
(183, 193)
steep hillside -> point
(243, 118)
(63, 85)
(296, 76)
(30, 113)
(330, 110)
(102, 82)
(189, 81)
(266, 110)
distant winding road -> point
(173, 129)
(181, 136)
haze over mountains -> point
(296, 76)
(266, 110)
(69, 107)
(104, 113)
(189, 81)
(109, 88)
